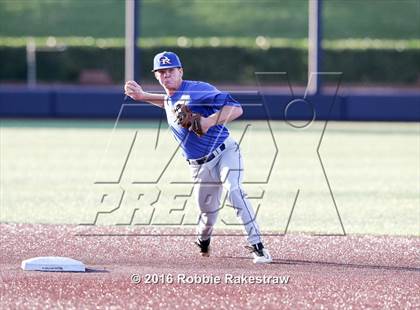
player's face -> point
(170, 78)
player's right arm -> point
(136, 92)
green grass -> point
(48, 170)
(382, 19)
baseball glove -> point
(187, 119)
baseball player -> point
(197, 113)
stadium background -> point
(78, 93)
(236, 37)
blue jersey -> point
(201, 98)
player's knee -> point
(232, 185)
(236, 194)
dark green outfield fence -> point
(221, 64)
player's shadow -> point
(297, 262)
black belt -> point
(207, 158)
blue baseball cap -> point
(166, 60)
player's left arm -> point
(225, 115)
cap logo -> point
(165, 60)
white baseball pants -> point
(224, 171)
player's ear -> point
(156, 75)
(181, 71)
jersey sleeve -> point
(205, 93)
(224, 99)
(210, 97)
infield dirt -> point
(334, 271)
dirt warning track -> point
(308, 271)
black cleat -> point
(261, 255)
(204, 246)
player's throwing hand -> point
(134, 90)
